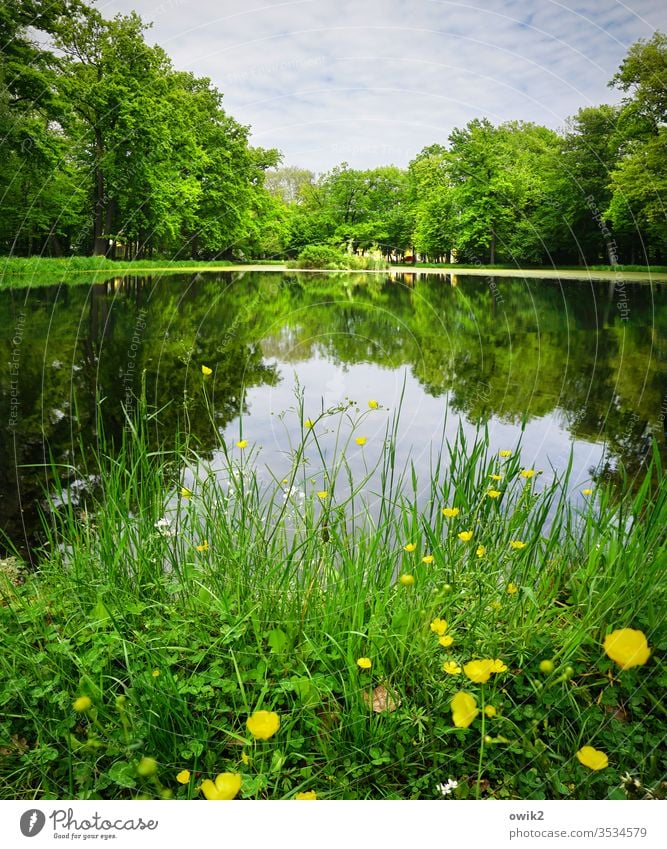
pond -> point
(574, 365)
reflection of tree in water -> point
(79, 369)
(543, 347)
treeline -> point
(517, 192)
(108, 150)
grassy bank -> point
(18, 272)
(180, 602)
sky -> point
(372, 82)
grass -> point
(18, 272)
(183, 599)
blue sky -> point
(372, 82)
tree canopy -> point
(108, 149)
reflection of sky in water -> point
(545, 443)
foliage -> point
(109, 150)
(164, 618)
(329, 257)
(125, 156)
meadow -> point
(192, 631)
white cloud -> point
(373, 82)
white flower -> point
(163, 525)
(294, 492)
(446, 789)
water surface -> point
(575, 364)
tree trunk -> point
(492, 247)
(100, 244)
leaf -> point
(616, 793)
(306, 690)
(99, 614)
(382, 700)
(277, 640)
(123, 774)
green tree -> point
(39, 180)
(638, 184)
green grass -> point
(18, 272)
(176, 647)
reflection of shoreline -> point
(81, 277)
(448, 336)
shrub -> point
(330, 257)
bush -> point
(330, 257)
(321, 256)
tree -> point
(288, 183)
(39, 181)
(643, 73)
(432, 202)
(638, 184)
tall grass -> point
(191, 592)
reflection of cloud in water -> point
(424, 420)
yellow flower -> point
(505, 453)
(263, 724)
(185, 492)
(155, 673)
(516, 543)
(465, 536)
(361, 440)
(203, 546)
(373, 404)
(308, 794)
(82, 704)
(494, 493)
(242, 443)
(439, 626)
(498, 666)
(512, 588)
(490, 711)
(592, 758)
(627, 648)
(479, 671)
(410, 547)
(527, 473)
(450, 512)
(496, 605)
(451, 667)
(308, 424)
(323, 493)
(364, 663)
(464, 709)
(428, 559)
(245, 758)
(183, 776)
(547, 666)
(407, 580)
(205, 370)
(227, 786)
(446, 641)
(496, 477)
(587, 492)
(481, 550)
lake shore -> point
(34, 275)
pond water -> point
(576, 364)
